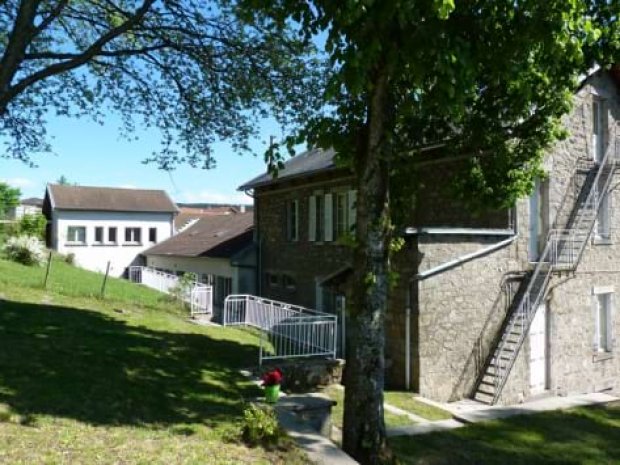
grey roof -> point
(64, 197)
(33, 201)
(218, 236)
(304, 164)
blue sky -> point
(94, 155)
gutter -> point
(514, 235)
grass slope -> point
(121, 380)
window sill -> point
(132, 244)
(602, 356)
(75, 244)
(602, 241)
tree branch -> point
(102, 53)
(78, 60)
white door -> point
(538, 351)
(598, 128)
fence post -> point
(105, 279)
(47, 271)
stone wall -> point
(460, 311)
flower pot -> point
(272, 393)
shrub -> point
(33, 225)
(260, 426)
(70, 259)
(26, 250)
(184, 286)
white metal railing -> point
(287, 331)
(563, 250)
(199, 296)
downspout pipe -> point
(440, 269)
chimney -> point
(241, 208)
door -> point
(538, 351)
(598, 129)
(539, 219)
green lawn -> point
(583, 436)
(407, 401)
(337, 394)
(123, 380)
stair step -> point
(480, 391)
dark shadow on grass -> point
(584, 435)
(84, 365)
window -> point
(289, 282)
(292, 220)
(342, 213)
(272, 280)
(99, 235)
(76, 234)
(112, 235)
(603, 324)
(603, 219)
(152, 234)
(318, 211)
(133, 235)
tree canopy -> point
(9, 198)
(190, 68)
(482, 81)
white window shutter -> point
(610, 323)
(329, 218)
(296, 206)
(595, 314)
(312, 218)
(352, 210)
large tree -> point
(189, 68)
(487, 80)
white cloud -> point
(18, 182)
(214, 197)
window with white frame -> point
(99, 235)
(603, 219)
(133, 235)
(603, 319)
(76, 234)
(292, 220)
(316, 217)
(345, 212)
(152, 234)
(112, 235)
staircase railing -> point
(563, 251)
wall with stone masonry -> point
(460, 311)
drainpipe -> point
(439, 269)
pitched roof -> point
(304, 164)
(218, 236)
(109, 199)
(34, 201)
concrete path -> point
(319, 449)
(467, 411)
(477, 414)
(424, 428)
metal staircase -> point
(563, 251)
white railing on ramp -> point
(199, 296)
(287, 331)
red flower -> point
(272, 378)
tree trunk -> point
(364, 429)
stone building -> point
(501, 306)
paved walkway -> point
(468, 411)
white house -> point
(101, 224)
(218, 248)
(29, 206)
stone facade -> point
(457, 313)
